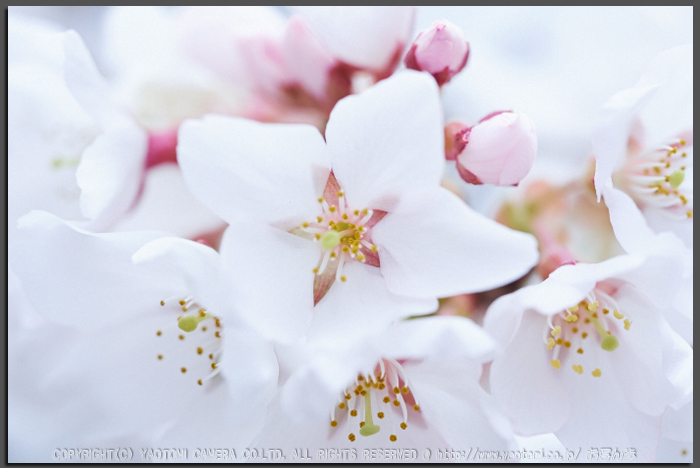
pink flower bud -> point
(456, 137)
(441, 50)
(499, 150)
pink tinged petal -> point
(270, 278)
(82, 279)
(361, 306)
(440, 337)
(442, 51)
(241, 169)
(309, 63)
(161, 148)
(529, 388)
(387, 140)
(365, 37)
(434, 245)
(499, 150)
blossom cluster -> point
(313, 274)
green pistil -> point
(369, 428)
(676, 178)
(608, 341)
(330, 240)
(189, 323)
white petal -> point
(438, 337)
(453, 403)
(366, 37)
(434, 245)
(82, 279)
(271, 278)
(243, 169)
(387, 140)
(523, 381)
(250, 369)
(361, 306)
(189, 266)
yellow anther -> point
(572, 318)
(217, 334)
(397, 403)
(345, 216)
(304, 224)
(574, 330)
(160, 356)
(373, 248)
(343, 279)
(184, 309)
(580, 350)
(627, 324)
(361, 257)
(682, 142)
(556, 330)
(340, 193)
(211, 356)
(606, 311)
(578, 368)
(182, 337)
(404, 426)
(182, 302)
(317, 236)
(319, 219)
(320, 200)
(213, 365)
(689, 214)
(392, 438)
(183, 370)
(567, 344)
(362, 424)
(386, 399)
(341, 405)
(397, 390)
(556, 363)
(332, 208)
(162, 303)
(199, 382)
(593, 306)
(573, 309)
(404, 390)
(351, 437)
(353, 413)
(365, 211)
(200, 350)
(334, 423)
(315, 270)
(158, 333)
(560, 341)
(380, 415)
(617, 314)
(550, 343)
(596, 373)
(416, 408)
(684, 200)
(584, 335)
(348, 396)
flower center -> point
(384, 394)
(654, 178)
(343, 234)
(188, 351)
(568, 332)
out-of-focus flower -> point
(442, 51)
(643, 144)
(298, 67)
(153, 345)
(413, 385)
(356, 196)
(593, 349)
(499, 150)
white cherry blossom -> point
(357, 224)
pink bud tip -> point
(441, 50)
(499, 150)
(162, 148)
(456, 137)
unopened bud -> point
(456, 137)
(441, 50)
(499, 150)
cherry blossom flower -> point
(644, 144)
(442, 51)
(499, 150)
(357, 224)
(152, 345)
(413, 385)
(592, 347)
